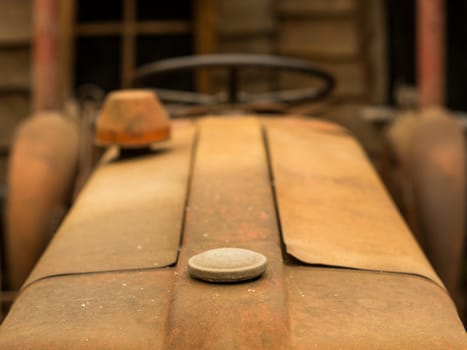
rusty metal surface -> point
(231, 205)
(293, 306)
(128, 216)
(41, 171)
(431, 51)
(344, 309)
(132, 118)
(332, 206)
(428, 148)
(46, 90)
(328, 309)
(125, 310)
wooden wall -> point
(15, 82)
(246, 26)
(345, 37)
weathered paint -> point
(429, 149)
(132, 119)
(129, 215)
(362, 310)
(293, 306)
(118, 310)
(41, 171)
(436, 166)
(333, 208)
(231, 204)
(431, 52)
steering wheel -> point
(147, 76)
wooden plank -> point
(129, 215)
(332, 38)
(363, 44)
(230, 204)
(333, 208)
(350, 79)
(316, 7)
(142, 27)
(375, 32)
(320, 57)
(15, 68)
(250, 80)
(250, 44)
(205, 38)
(163, 27)
(99, 29)
(15, 22)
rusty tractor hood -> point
(344, 272)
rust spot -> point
(133, 119)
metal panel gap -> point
(194, 149)
(287, 258)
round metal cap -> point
(227, 265)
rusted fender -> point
(41, 171)
(430, 147)
(436, 163)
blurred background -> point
(399, 66)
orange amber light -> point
(132, 119)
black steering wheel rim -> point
(148, 74)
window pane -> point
(163, 10)
(156, 47)
(95, 11)
(98, 62)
